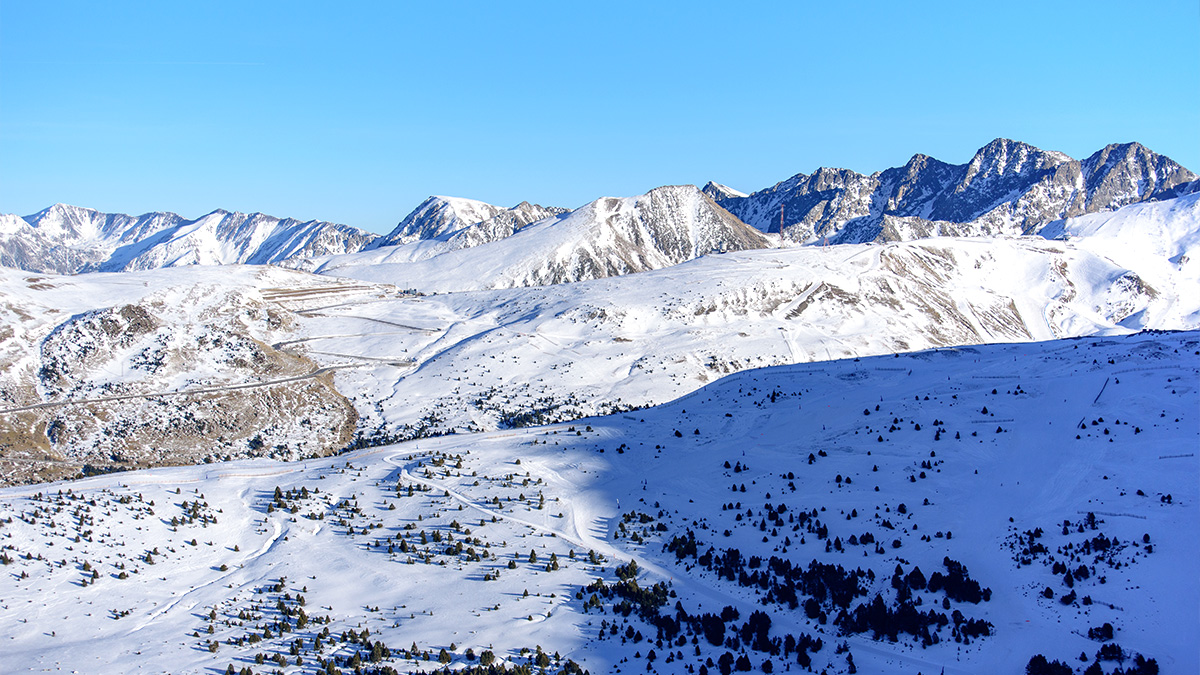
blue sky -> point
(355, 112)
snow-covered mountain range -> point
(608, 237)
(411, 364)
(1008, 187)
(68, 240)
(469, 222)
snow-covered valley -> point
(1003, 465)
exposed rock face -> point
(1007, 188)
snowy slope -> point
(1160, 239)
(68, 239)
(608, 237)
(1006, 460)
(1133, 235)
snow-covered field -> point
(940, 457)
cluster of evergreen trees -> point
(626, 597)
(1040, 665)
(824, 588)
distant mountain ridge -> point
(1008, 188)
(67, 239)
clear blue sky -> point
(356, 111)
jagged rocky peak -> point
(1124, 173)
(1008, 187)
(1004, 157)
(922, 166)
(826, 178)
(910, 189)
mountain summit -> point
(467, 222)
(1008, 187)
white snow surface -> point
(1010, 456)
(1139, 233)
(577, 349)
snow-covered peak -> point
(717, 191)
(63, 221)
(11, 224)
(436, 216)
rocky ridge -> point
(1008, 188)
